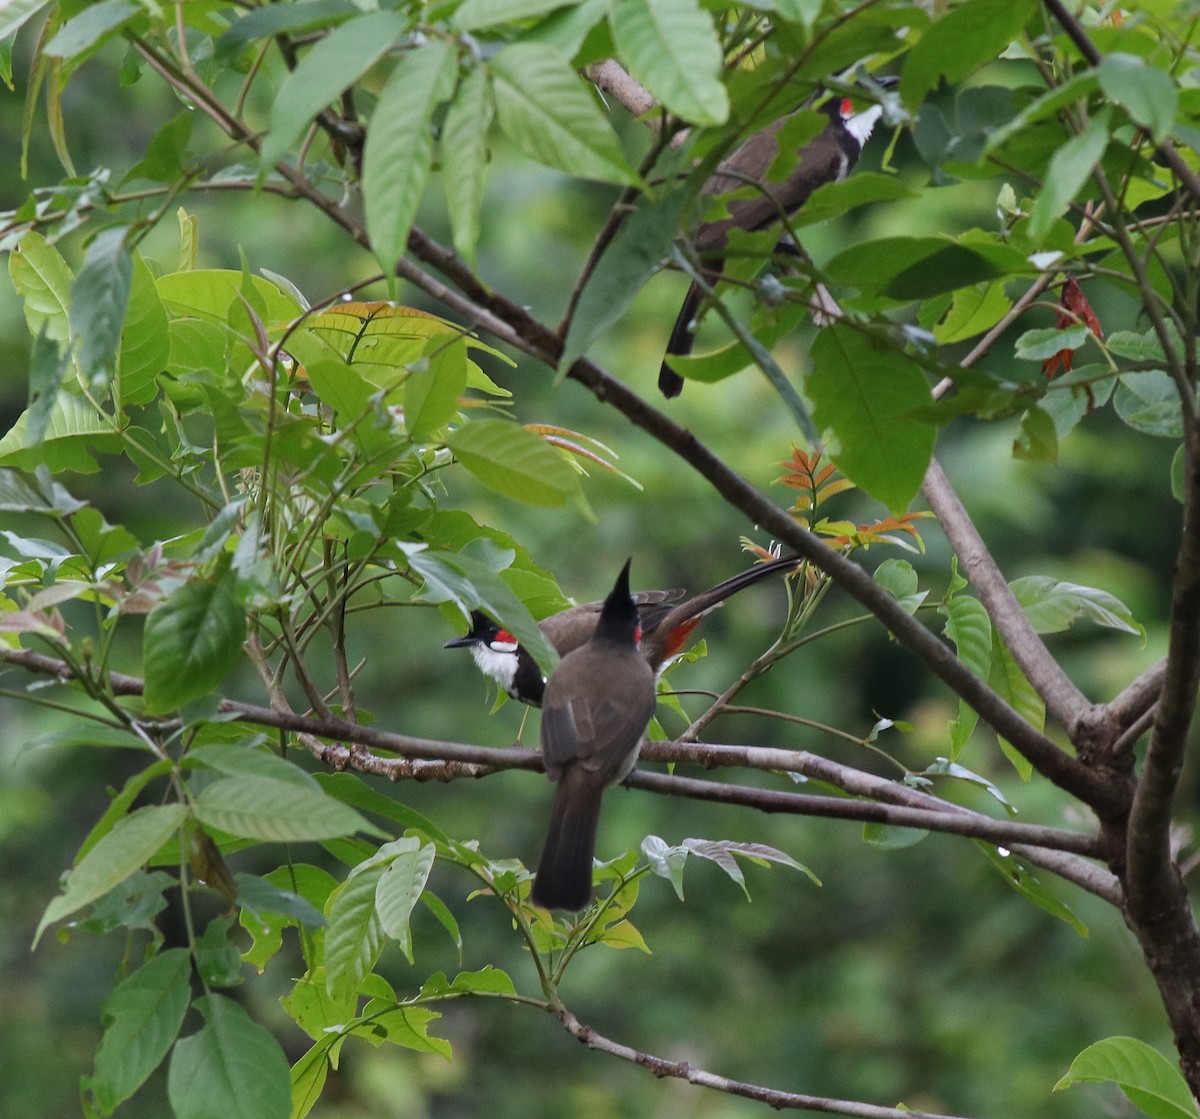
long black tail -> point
(665, 634)
(564, 875)
(683, 335)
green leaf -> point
(19, 496)
(671, 47)
(42, 279)
(232, 1068)
(1146, 91)
(973, 311)
(1037, 440)
(465, 158)
(263, 23)
(337, 61)
(514, 462)
(145, 340)
(130, 844)
(863, 397)
(668, 862)
(475, 14)
(1053, 606)
(1045, 342)
(164, 158)
(970, 629)
(1153, 1084)
(1149, 402)
(74, 430)
(192, 642)
(968, 35)
(862, 189)
(47, 367)
(209, 294)
(1070, 167)
(635, 254)
(400, 888)
(920, 267)
(545, 109)
(279, 811)
(91, 27)
(99, 299)
(14, 13)
(889, 837)
(142, 1017)
(309, 1074)
(431, 394)
(1021, 879)
(400, 146)
(355, 935)
(1012, 685)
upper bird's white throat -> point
(499, 664)
(862, 124)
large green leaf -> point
(400, 146)
(1069, 169)
(970, 629)
(475, 14)
(41, 277)
(74, 430)
(864, 397)
(514, 462)
(432, 391)
(15, 12)
(545, 109)
(355, 934)
(1153, 1084)
(231, 1069)
(192, 642)
(145, 339)
(464, 150)
(1052, 605)
(276, 19)
(130, 844)
(1146, 91)
(968, 35)
(671, 47)
(99, 300)
(333, 65)
(209, 294)
(142, 1017)
(276, 811)
(83, 33)
(400, 888)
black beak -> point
(459, 642)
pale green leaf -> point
(1070, 167)
(464, 150)
(42, 279)
(400, 888)
(671, 47)
(231, 1069)
(130, 844)
(192, 642)
(513, 462)
(337, 61)
(142, 1017)
(863, 399)
(399, 148)
(546, 110)
(280, 811)
(1153, 1084)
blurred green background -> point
(915, 976)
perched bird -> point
(665, 622)
(596, 707)
(828, 158)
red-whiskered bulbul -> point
(596, 707)
(666, 625)
(827, 159)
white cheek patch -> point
(499, 646)
(862, 124)
(499, 664)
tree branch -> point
(682, 1070)
(1063, 699)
